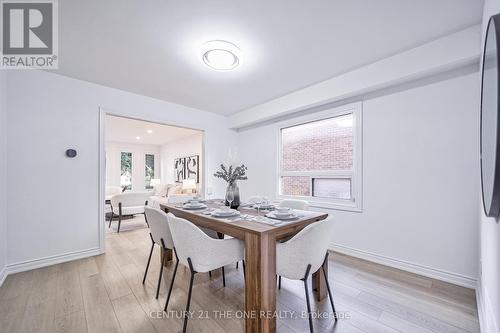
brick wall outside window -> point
(316, 146)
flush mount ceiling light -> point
(221, 55)
(150, 131)
(138, 137)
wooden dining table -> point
(260, 256)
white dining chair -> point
(200, 253)
(306, 252)
(294, 204)
(160, 235)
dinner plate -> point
(283, 214)
(229, 213)
(288, 217)
(197, 201)
(194, 206)
(265, 207)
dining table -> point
(259, 235)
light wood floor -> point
(105, 294)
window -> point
(126, 170)
(149, 171)
(320, 159)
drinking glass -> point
(258, 202)
(230, 197)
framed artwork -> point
(187, 168)
(179, 169)
(193, 168)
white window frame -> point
(356, 203)
(132, 180)
(149, 152)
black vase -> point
(236, 191)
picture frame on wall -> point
(179, 169)
(187, 168)
(192, 168)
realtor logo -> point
(29, 34)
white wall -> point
(489, 300)
(420, 179)
(3, 174)
(192, 145)
(444, 54)
(53, 203)
(113, 163)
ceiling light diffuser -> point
(149, 131)
(221, 55)
(138, 137)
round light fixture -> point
(149, 131)
(221, 55)
(138, 137)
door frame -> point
(103, 112)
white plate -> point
(194, 206)
(265, 207)
(283, 215)
(196, 201)
(288, 217)
(231, 213)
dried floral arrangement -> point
(231, 174)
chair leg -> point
(279, 282)
(237, 264)
(307, 299)
(149, 260)
(210, 274)
(159, 279)
(172, 282)
(111, 216)
(186, 313)
(110, 219)
(223, 277)
(119, 215)
(146, 219)
(329, 290)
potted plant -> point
(231, 175)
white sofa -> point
(168, 193)
(128, 203)
(112, 190)
(133, 203)
(109, 193)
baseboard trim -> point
(3, 275)
(487, 320)
(438, 274)
(51, 260)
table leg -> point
(168, 254)
(260, 283)
(319, 282)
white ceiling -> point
(151, 47)
(119, 129)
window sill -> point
(333, 205)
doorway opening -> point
(144, 162)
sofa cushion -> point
(131, 210)
(176, 189)
(161, 190)
(130, 199)
(155, 201)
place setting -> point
(224, 212)
(282, 214)
(194, 205)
